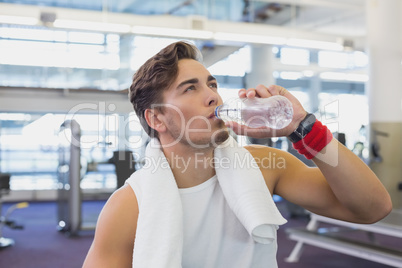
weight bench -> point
(312, 235)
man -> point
(175, 96)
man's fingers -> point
(242, 93)
(277, 90)
(262, 91)
(250, 93)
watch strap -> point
(303, 129)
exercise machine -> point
(4, 220)
(69, 177)
(70, 174)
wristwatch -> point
(303, 129)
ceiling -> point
(339, 17)
(325, 20)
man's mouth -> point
(212, 116)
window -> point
(342, 60)
(29, 145)
(236, 64)
(295, 56)
(345, 113)
(36, 57)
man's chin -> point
(220, 136)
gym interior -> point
(69, 136)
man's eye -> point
(189, 88)
(213, 85)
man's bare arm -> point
(347, 191)
(115, 232)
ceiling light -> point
(357, 77)
(18, 20)
(290, 75)
(172, 32)
(353, 77)
(92, 26)
(308, 73)
(249, 38)
(333, 76)
(315, 44)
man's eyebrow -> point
(189, 81)
(210, 78)
(194, 81)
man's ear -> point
(153, 120)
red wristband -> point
(314, 141)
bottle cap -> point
(217, 111)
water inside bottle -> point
(278, 114)
(274, 112)
(229, 114)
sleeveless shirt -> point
(214, 237)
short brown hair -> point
(155, 76)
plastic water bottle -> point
(275, 112)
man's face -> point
(189, 106)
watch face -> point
(295, 136)
(308, 123)
(303, 129)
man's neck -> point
(190, 166)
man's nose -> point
(212, 97)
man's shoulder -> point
(124, 195)
(257, 149)
(270, 158)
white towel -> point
(159, 236)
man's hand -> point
(262, 91)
